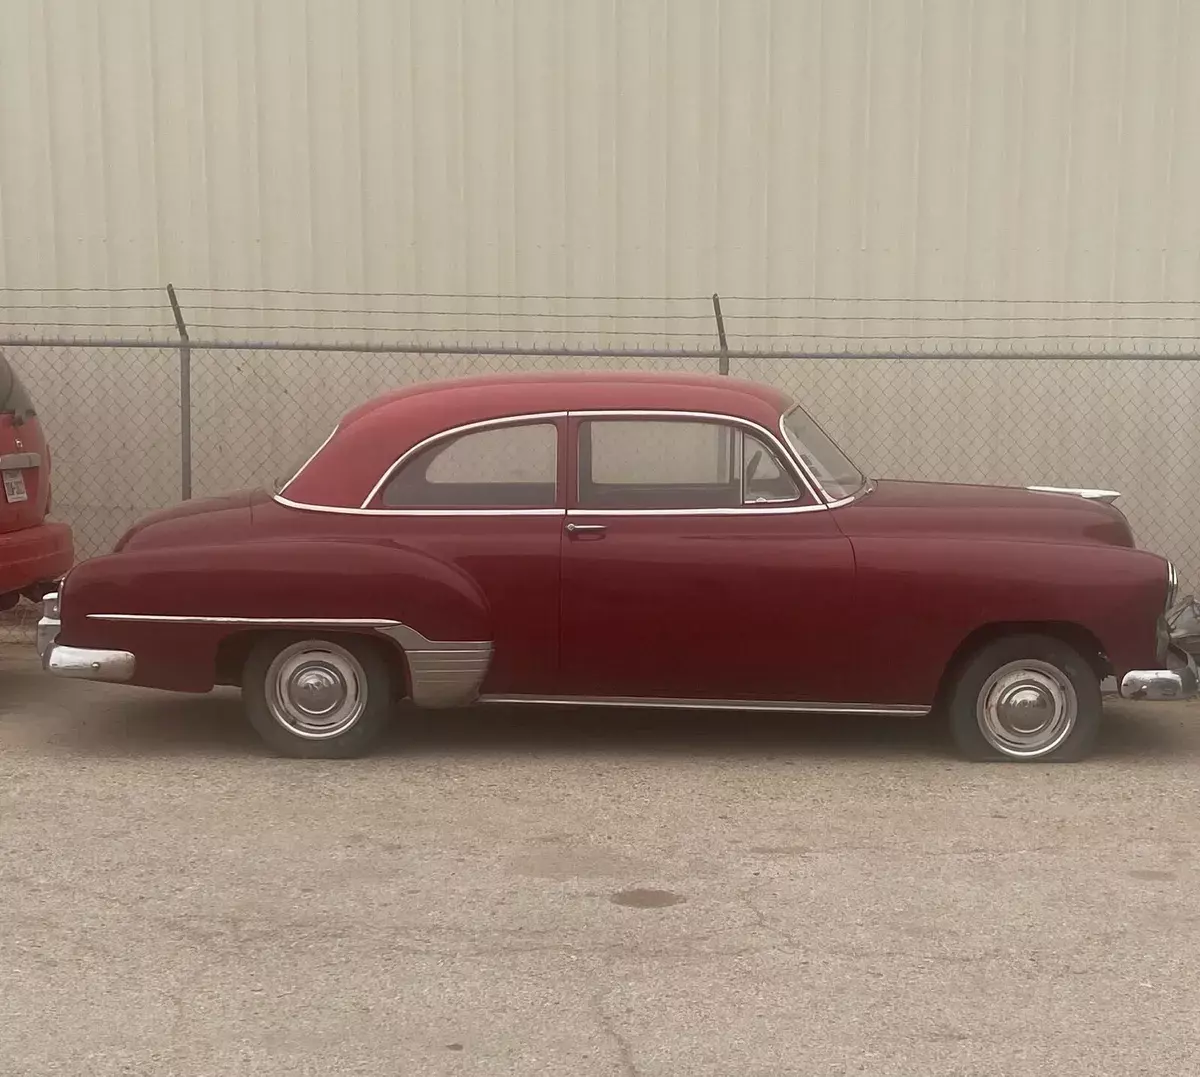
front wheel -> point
(1026, 699)
(318, 698)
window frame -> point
(373, 502)
(807, 499)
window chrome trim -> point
(339, 510)
(781, 449)
(778, 442)
(788, 706)
(471, 428)
(320, 447)
(829, 498)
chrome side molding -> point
(771, 705)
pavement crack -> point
(620, 1040)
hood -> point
(932, 508)
(206, 519)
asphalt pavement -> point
(592, 893)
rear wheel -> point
(318, 698)
(1026, 699)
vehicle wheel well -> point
(234, 650)
(1075, 635)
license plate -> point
(14, 486)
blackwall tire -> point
(312, 697)
(1026, 699)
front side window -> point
(503, 467)
(829, 465)
(676, 464)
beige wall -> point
(1006, 148)
(951, 152)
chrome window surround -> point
(831, 501)
(300, 470)
(459, 431)
(786, 461)
(820, 501)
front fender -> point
(924, 596)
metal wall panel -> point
(1007, 148)
(931, 150)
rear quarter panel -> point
(301, 578)
(921, 598)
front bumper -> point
(82, 663)
(1179, 682)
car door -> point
(697, 565)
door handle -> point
(585, 529)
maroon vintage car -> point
(620, 540)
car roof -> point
(370, 437)
(582, 390)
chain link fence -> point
(1030, 400)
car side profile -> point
(621, 539)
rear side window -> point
(505, 467)
(14, 400)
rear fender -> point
(173, 607)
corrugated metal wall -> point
(929, 150)
(1017, 148)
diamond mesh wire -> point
(112, 418)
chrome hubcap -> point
(1027, 709)
(316, 689)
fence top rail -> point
(1004, 351)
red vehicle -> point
(34, 554)
(620, 539)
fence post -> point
(723, 368)
(185, 398)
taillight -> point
(46, 478)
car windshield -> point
(829, 465)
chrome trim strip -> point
(764, 509)
(275, 622)
(300, 471)
(338, 510)
(483, 424)
(786, 706)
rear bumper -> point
(1178, 683)
(34, 555)
(85, 663)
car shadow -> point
(156, 723)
